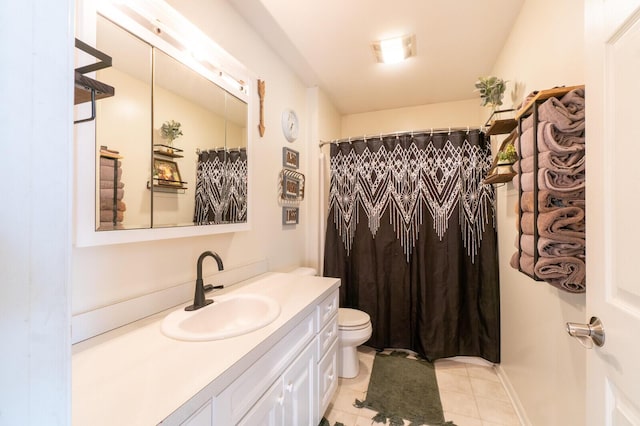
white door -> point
(613, 207)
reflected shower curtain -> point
(221, 187)
(411, 234)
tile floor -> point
(471, 395)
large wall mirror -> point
(171, 147)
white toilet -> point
(354, 328)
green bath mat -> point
(402, 388)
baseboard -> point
(513, 396)
(88, 324)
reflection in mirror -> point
(179, 142)
(183, 96)
(122, 132)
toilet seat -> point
(352, 319)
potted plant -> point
(170, 130)
(508, 155)
(491, 91)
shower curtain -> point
(411, 234)
(221, 187)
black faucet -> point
(198, 300)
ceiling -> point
(328, 44)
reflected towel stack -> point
(111, 190)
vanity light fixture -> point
(183, 36)
(394, 50)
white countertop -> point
(135, 375)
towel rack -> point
(531, 108)
(87, 89)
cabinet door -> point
(268, 411)
(300, 404)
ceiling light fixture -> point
(394, 50)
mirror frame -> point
(139, 20)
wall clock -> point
(290, 125)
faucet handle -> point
(209, 287)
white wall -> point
(108, 274)
(543, 364)
(36, 41)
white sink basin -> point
(228, 316)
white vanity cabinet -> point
(293, 382)
(281, 374)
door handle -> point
(594, 330)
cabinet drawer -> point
(327, 336)
(327, 377)
(327, 309)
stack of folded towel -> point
(112, 207)
(561, 190)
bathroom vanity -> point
(283, 373)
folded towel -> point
(566, 273)
(551, 180)
(107, 173)
(564, 118)
(107, 226)
(549, 139)
(107, 194)
(566, 224)
(522, 263)
(107, 216)
(109, 162)
(571, 162)
(548, 200)
(548, 247)
(574, 101)
(108, 205)
(108, 184)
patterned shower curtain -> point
(221, 187)
(411, 234)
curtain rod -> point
(381, 135)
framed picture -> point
(290, 187)
(166, 172)
(290, 215)
(290, 158)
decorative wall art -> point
(290, 215)
(261, 95)
(290, 158)
(292, 186)
(165, 172)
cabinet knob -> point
(290, 387)
(281, 399)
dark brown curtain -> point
(411, 234)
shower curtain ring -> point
(467, 130)
(449, 131)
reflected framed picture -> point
(290, 215)
(290, 158)
(166, 173)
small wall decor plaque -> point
(290, 215)
(290, 158)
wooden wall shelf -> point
(545, 94)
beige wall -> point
(442, 115)
(108, 274)
(543, 364)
